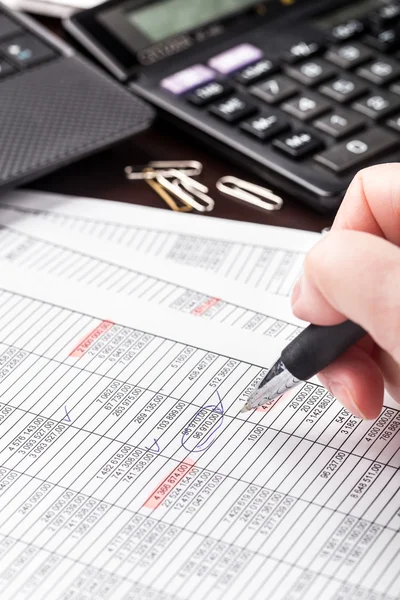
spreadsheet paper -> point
(259, 256)
(128, 472)
(52, 250)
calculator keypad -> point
(335, 105)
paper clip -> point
(168, 199)
(191, 168)
(193, 193)
(250, 193)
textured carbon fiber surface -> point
(58, 112)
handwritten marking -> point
(200, 310)
(157, 449)
(89, 339)
(201, 446)
(169, 483)
(67, 417)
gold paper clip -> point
(249, 193)
(194, 193)
(164, 195)
(191, 168)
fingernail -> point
(296, 292)
(343, 394)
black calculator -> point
(304, 93)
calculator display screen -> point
(161, 20)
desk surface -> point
(102, 175)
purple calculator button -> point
(186, 80)
(235, 58)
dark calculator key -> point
(352, 153)
(377, 106)
(209, 92)
(306, 107)
(26, 50)
(302, 50)
(5, 69)
(232, 109)
(311, 72)
(264, 126)
(344, 89)
(298, 145)
(384, 16)
(275, 90)
(254, 73)
(395, 87)
(340, 123)
(380, 72)
(347, 31)
(8, 27)
(394, 123)
(348, 56)
(387, 40)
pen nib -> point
(276, 382)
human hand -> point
(354, 273)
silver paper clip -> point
(250, 193)
(188, 190)
(191, 168)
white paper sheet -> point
(259, 256)
(128, 474)
(48, 248)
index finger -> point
(372, 203)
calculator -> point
(303, 93)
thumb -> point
(353, 275)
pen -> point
(311, 351)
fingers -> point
(372, 203)
(356, 381)
(353, 275)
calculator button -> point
(339, 123)
(387, 40)
(394, 123)
(5, 68)
(264, 126)
(350, 154)
(232, 109)
(348, 56)
(298, 144)
(395, 87)
(235, 58)
(302, 50)
(347, 31)
(256, 72)
(311, 72)
(275, 90)
(209, 93)
(384, 16)
(8, 27)
(380, 72)
(26, 50)
(344, 89)
(306, 107)
(188, 79)
(377, 106)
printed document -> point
(129, 474)
(259, 256)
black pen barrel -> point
(317, 347)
